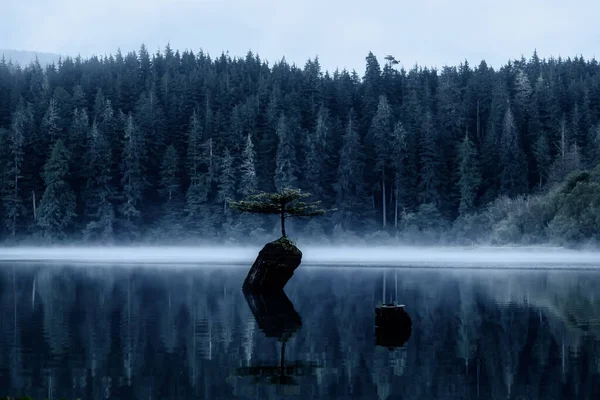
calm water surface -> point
(186, 333)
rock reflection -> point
(393, 326)
(274, 314)
(276, 318)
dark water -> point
(184, 333)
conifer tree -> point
(133, 179)
(350, 187)
(469, 176)
(11, 191)
(513, 178)
(285, 203)
(99, 210)
(380, 133)
(568, 157)
(543, 159)
(320, 165)
(169, 175)
(150, 120)
(285, 172)
(400, 158)
(226, 180)
(431, 163)
(199, 176)
(57, 207)
(248, 180)
(50, 128)
(170, 220)
(77, 145)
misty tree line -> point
(138, 146)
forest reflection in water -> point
(170, 333)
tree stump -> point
(273, 267)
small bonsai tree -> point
(285, 203)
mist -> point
(397, 256)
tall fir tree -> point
(568, 158)
(58, 204)
(11, 192)
(198, 167)
(248, 183)
(469, 176)
(169, 175)
(513, 177)
(431, 163)
(226, 180)
(133, 179)
(99, 211)
(380, 134)
(350, 188)
(400, 166)
(50, 123)
(286, 174)
(170, 221)
(543, 158)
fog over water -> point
(455, 257)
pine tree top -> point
(285, 201)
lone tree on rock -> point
(285, 203)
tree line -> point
(154, 146)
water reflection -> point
(274, 314)
(100, 332)
(276, 318)
(393, 326)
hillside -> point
(24, 58)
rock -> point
(273, 267)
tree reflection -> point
(129, 332)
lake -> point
(188, 332)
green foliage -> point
(543, 158)
(226, 179)
(286, 174)
(169, 174)
(387, 146)
(513, 177)
(431, 164)
(133, 178)
(57, 207)
(470, 176)
(99, 192)
(248, 178)
(285, 203)
(566, 215)
(350, 187)
(12, 186)
(578, 216)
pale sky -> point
(340, 32)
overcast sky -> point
(340, 32)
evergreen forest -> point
(141, 148)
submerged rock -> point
(273, 267)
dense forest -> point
(151, 147)
(129, 333)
